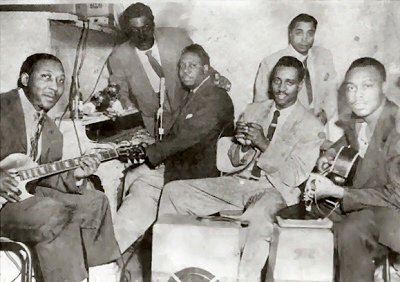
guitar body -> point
(341, 173)
(14, 163)
(25, 170)
(344, 166)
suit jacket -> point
(127, 70)
(189, 150)
(322, 75)
(13, 140)
(377, 178)
(292, 153)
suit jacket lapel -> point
(168, 62)
(15, 123)
(140, 83)
(285, 133)
(371, 159)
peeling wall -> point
(238, 35)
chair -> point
(23, 252)
(390, 258)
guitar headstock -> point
(135, 153)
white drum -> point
(187, 249)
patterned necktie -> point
(307, 81)
(155, 64)
(256, 171)
(39, 117)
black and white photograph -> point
(200, 141)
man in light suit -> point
(264, 164)
(319, 95)
(139, 64)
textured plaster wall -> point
(239, 34)
(236, 34)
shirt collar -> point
(27, 107)
(299, 56)
(284, 113)
(197, 88)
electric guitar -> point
(341, 172)
(25, 170)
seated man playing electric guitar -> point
(367, 224)
(69, 227)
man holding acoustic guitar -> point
(367, 224)
(68, 226)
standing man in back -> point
(318, 93)
(148, 63)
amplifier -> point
(301, 254)
(188, 248)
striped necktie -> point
(307, 81)
(155, 64)
(256, 171)
(34, 140)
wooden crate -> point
(185, 248)
(301, 255)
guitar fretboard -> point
(61, 166)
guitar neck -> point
(62, 166)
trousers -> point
(203, 197)
(361, 237)
(69, 232)
(138, 210)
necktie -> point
(154, 64)
(256, 171)
(39, 117)
(307, 81)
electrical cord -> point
(15, 263)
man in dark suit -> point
(188, 150)
(69, 227)
(146, 64)
(368, 223)
(276, 146)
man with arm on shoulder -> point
(318, 93)
(188, 150)
(146, 61)
(277, 146)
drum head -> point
(193, 274)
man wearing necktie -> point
(319, 93)
(139, 64)
(188, 150)
(68, 226)
(274, 150)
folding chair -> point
(23, 252)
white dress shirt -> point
(30, 117)
(151, 74)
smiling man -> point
(318, 93)
(68, 226)
(276, 146)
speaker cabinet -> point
(190, 249)
(301, 255)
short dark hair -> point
(289, 61)
(197, 49)
(368, 62)
(135, 10)
(29, 64)
(303, 18)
